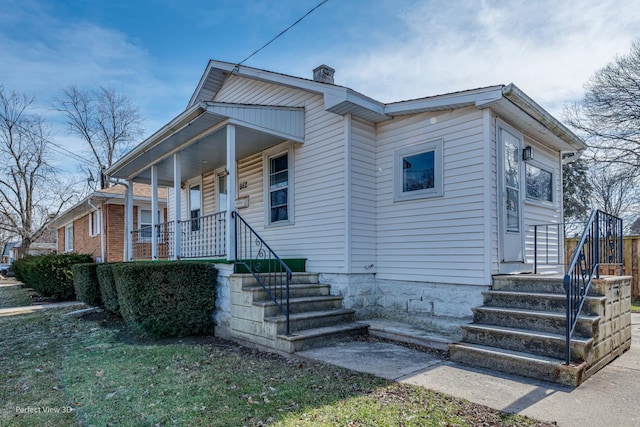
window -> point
(194, 206)
(278, 186)
(68, 238)
(539, 183)
(418, 171)
(144, 224)
(94, 223)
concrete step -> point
(321, 336)
(556, 303)
(538, 343)
(587, 326)
(311, 319)
(518, 363)
(302, 304)
(295, 291)
(551, 284)
(297, 278)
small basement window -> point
(539, 183)
(418, 171)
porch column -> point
(154, 212)
(177, 197)
(231, 191)
(128, 228)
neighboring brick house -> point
(96, 225)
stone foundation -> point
(613, 336)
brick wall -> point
(82, 242)
(114, 226)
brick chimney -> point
(323, 74)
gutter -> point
(528, 105)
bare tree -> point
(105, 119)
(30, 192)
(608, 117)
(615, 189)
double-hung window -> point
(278, 186)
(94, 223)
(145, 224)
(195, 204)
(68, 238)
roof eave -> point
(524, 102)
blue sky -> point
(155, 51)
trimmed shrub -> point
(50, 275)
(108, 291)
(85, 283)
(167, 298)
(22, 268)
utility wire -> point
(282, 32)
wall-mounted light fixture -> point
(527, 153)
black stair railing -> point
(601, 244)
(254, 256)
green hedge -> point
(108, 290)
(85, 283)
(167, 298)
(50, 275)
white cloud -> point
(547, 48)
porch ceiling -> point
(199, 134)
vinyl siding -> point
(536, 213)
(318, 228)
(438, 239)
(363, 197)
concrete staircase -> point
(520, 329)
(316, 316)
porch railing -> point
(599, 246)
(142, 242)
(254, 256)
(202, 237)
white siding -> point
(363, 197)
(536, 213)
(438, 239)
(318, 177)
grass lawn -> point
(14, 294)
(635, 305)
(57, 370)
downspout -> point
(100, 217)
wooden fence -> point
(631, 261)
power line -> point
(282, 32)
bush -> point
(22, 267)
(85, 283)
(50, 275)
(108, 291)
(167, 298)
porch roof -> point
(199, 135)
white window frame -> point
(68, 238)
(266, 169)
(546, 168)
(436, 146)
(94, 223)
(190, 185)
(141, 236)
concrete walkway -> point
(608, 398)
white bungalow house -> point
(406, 210)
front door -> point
(510, 200)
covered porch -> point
(206, 140)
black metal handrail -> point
(600, 244)
(253, 255)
